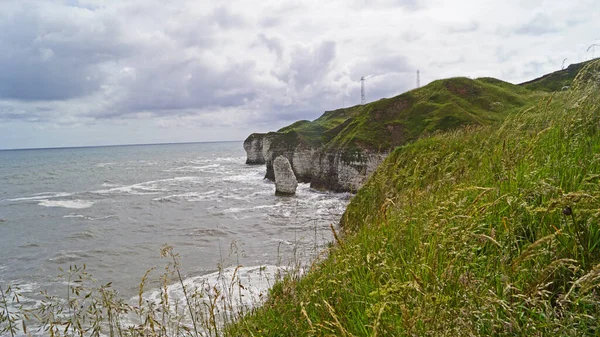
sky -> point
(100, 72)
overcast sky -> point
(94, 72)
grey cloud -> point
(411, 36)
(503, 55)
(464, 28)
(388, 85)
(47, 58)
(225, 18)
(185, 87)
(539, 25)
(273, 44)
(270, 21)
(52, 59)
(381, 65)
(405, 4)
(447, 63)
(308, 65)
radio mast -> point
(362, 91)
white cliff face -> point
(266, 144)
(355, 174)
(257, 146)
(340, 172)
(285, 180)
(303, 160)
(253, 145)
(337, 171)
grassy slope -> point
(439, 106)
(557, 80)
(319, 131)
(479, 231)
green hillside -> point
(488, 230)
(556, 81)
(439, 106)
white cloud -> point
(174, 66)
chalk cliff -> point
(256, 146)
(285, 180)
(339, 150)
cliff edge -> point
(339, 150)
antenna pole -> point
(362, 91)
(418, 79)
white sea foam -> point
(81, 216)
(40, 196)
(189, 168)
(147, 187)
(239, 288)
(77, 204)
(245, 177)
(78, 216)
(238, 209)
(218, 159)
(190, 196)
(23, 287)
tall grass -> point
(480, 231)
(88, 308)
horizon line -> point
(114, 145)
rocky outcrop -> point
(300, 155)
(285, 180)
(344, 171)
(256, 146)
(340, 149)
(338, 171)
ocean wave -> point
(77, 216)
(218, 159)
(239, 209)
(40, 196)
(82, 235)
(190, 168)
(147, 187)
(212, 232)
(190, 196)
(238, 288)
(85, 217)
(76, 204)
(29, 244)
(245, 177)
(68, 257)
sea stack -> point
(285, 180)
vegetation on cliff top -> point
(479, 231)
(440, 106)
(482, 230)
(556, 81)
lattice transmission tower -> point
(362, 91)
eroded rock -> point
(285, 179)
(256, 146)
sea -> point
(113, 208)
